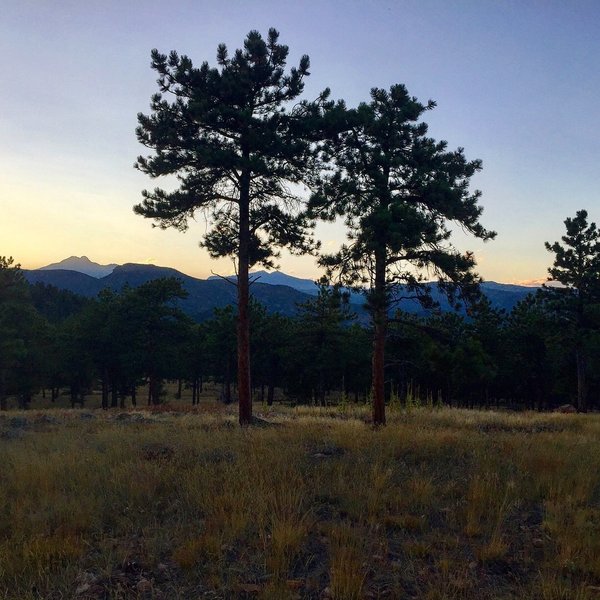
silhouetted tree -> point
(220, 347)
(154, 328)
(235, 147)
(398, 191)
(577, 268)
(22, 335)
(532, 364)
(320, 337)
(55, 304)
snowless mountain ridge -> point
(81, 264)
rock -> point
(566, 409)
(86, 584)
(86, 416)
(328, 451)
(538, 543)
(82, 589)
(143, 586)
(473, 565)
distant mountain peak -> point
(81, 264)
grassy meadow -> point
(181, 503)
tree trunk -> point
(581, 381)
(105, 389)
(133, 395)
(3, 390)
(379, 335)
(243, 289)
(227, 391)
(320, 389)
(580, 357)
(114, 396)
(24, 401)
(179, 389)
(270, 393)
(378, 365)
(154, 390)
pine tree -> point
(22, 331)
(397, 189)
(577, 268)
(227, 134)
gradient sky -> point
(517, 84)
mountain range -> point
(278, 291)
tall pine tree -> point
(230, 137)
(398, 190)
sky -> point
(517, 84)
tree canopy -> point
(577, 267)
(236, 145)
(398, 190)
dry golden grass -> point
(439, 504)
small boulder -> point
(144, 586)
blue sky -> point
(517, 85)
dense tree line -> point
(542, 354)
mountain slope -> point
(501, 295)
(203, 295)
(308, 286)
(81, 264)
(206, 295)
(74, 281)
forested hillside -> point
(318, 352)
